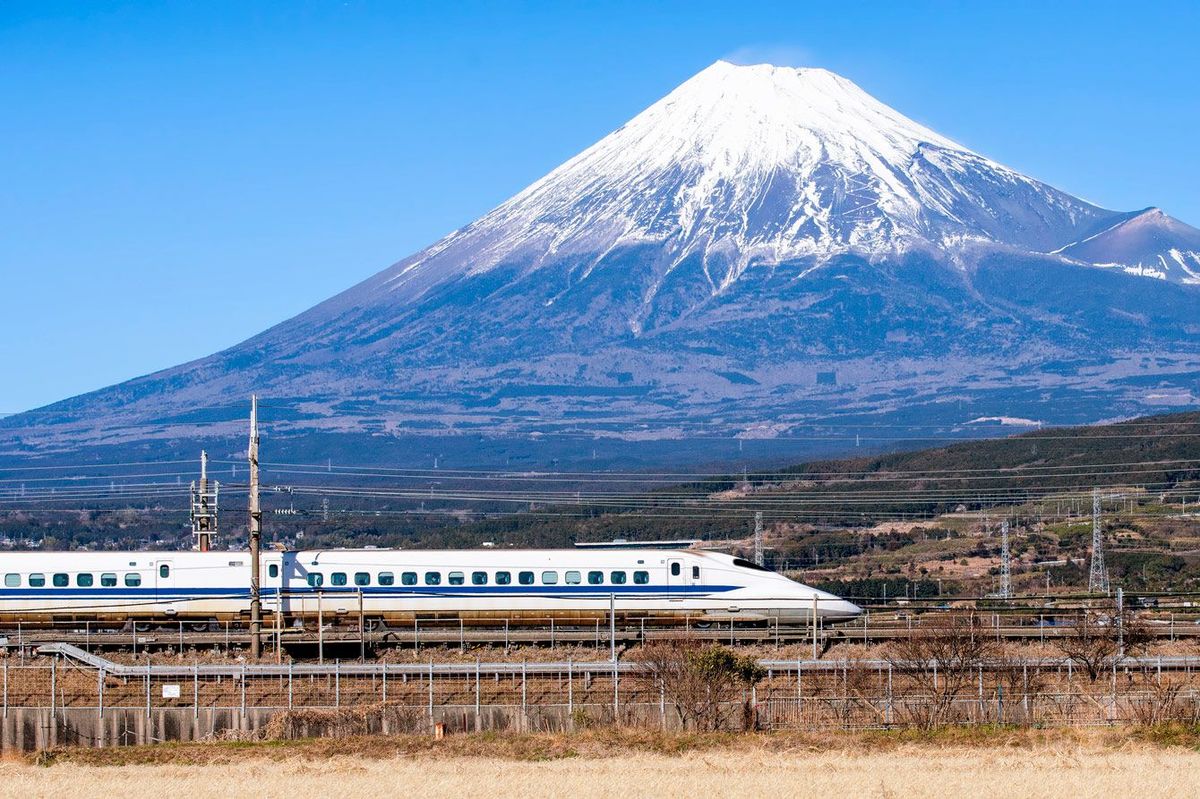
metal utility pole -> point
(1098, 574)
(204, 507)
(1005, 563)
(758, 538)
(255, 537)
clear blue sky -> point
(178, 176)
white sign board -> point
(170, 692)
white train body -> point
(403, 584)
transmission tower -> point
(1098, 575)
(758, 538)
(1005, 563)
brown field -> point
(980, 765)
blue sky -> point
(178, 176)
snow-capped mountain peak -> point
(761, 163)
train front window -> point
(12, 581)
(433, 578)
(617, 578)
(132, 579)
(478, 578)
(316, 579)
(503, 578)
(107, 580)
(641, 578)
(61, 581)
(525, 578)
(337, 578)
(387, 578)
(39, 581)
(748, 564)
(595, 578)
(84, 580)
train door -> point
(676, 578)
(164, 585)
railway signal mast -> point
(1098, 575)
(204, 507)
(255, 536)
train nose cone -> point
(841, 609)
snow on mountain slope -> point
(764, 163)
(1148, 244)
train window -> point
(61, 581)
(337, 578)
(316, 579)
(641, 578)
(164, 570)
(132, 579)
(433, 578)
(595, 578)
(408, 578)
(273, 570)
(362, 578)
(675, 568)
(503, 578)
(695, 572)
(84, 580)
(455, 578)
(478, 578)
(573, 578)
(387, 578)
(12, 581)
(617, 578)
(37, 580)
(525, 578)
(107, 579)
(549, 578)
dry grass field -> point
(1102, 764)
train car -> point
(400, 585)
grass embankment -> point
(1163, 763)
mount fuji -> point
(763, 252)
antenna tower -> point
(1098, 575)
(758, 538)
(204, 506)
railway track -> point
(338, 639)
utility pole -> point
(255, 536)
(758, 538)
(1005, 563)
(1098, 574)
(204, 507)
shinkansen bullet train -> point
(399, 585)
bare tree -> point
(940, 659)
(1096, 639)
(702, 684)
